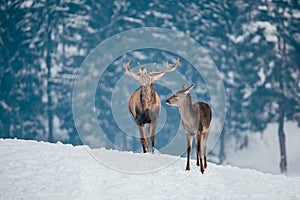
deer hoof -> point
(202, 170)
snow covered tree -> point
(276, 96)
(71, 42)
(21, 95)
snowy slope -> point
(35, 170)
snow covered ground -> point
(38, 170)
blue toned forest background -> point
(255, 45)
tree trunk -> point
(49, 85)
(283, 160)
(222, 155)
(50, 115)
(5, 128)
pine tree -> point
(20, 87)
(276, 97)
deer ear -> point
(188, 89)
(184, 86)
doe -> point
(196, 119)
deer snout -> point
(168, 102)
(172, 101)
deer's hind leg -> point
(205, 137)
(200, 146)
(197, 145)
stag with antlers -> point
(144, 104)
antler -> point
(173, 66)
(130, 73)
(159, 75)
(152, 67)
(140, 66)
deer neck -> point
(148, 96)
(187, 111)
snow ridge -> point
(35, 170)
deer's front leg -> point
(154, 113)
(153, 134)
(189, 149)
(143, 139)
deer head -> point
(146, 78)
(180, 96)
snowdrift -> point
(39, 170)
